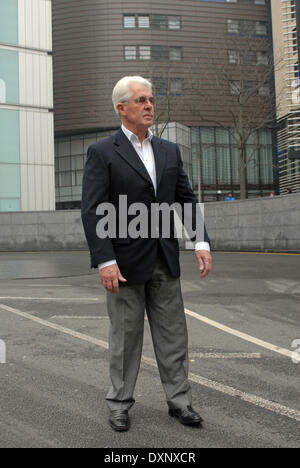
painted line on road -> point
(55, 326)
(38, 285)
(220, 326)
(243, 336)
(248, 397)
(55, 299)
(225, 355)
(82, 317)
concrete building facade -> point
(26, 106)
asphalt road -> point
(243, 321)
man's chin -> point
(149, 122)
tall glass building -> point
(175, 43)
(26, 106)
(286, 38)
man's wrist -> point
(106, 264)
(202, 246)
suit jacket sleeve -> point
(95, 190)
(192, 219)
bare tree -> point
(166, 89)
(237, 85)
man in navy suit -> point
(141, 273)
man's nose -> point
(148, 103)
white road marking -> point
(248, 397)
(82, 317)
(225, 355)
(243, 336)
(50, 285)
(55, 326)
(284, 287)
(56, 299)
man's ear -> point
(121, 108)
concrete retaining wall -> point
(263, 224)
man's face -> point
(138, 112)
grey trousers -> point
(161, 297)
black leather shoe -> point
(119, 420)
(186, 416)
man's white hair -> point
(122, 91)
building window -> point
(161, 53)
(175, 54)
(144, 22)
(130, 53)
(249, 57)
(264, 90)
(235, 87)
(261, 28)
(256, 2)
(9, 75)
(2, 92)
(155, 53)
(262, 58)
(234, 57)
(168, 86)
(233, 26)
(145, 52)
(246, 27)
(129, 21)
(174, 22)
(9, 22)
(248, 88)
(176, 86)
(159, 21)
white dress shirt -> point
(145, 152)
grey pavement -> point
(53, 322)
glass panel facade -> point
(10, 182)
(9, 76)
(70, 154)
(208, 165)
(9, 137)
(9, 22)
(2, 91)
(216, 148)
(219, 160)
(223, 165)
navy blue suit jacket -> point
(113, 168)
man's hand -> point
(205, 262)
(110, 277)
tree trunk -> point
(242, 172)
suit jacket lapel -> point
(160, 158)
(125, 149)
